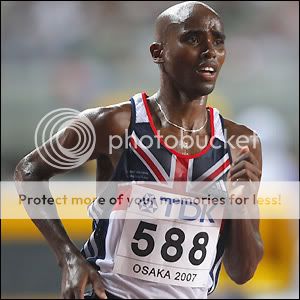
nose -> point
(208, 51)
(209, 54)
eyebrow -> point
(219, 34)
(215, 33)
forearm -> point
(59, 241)
(243, 250)
(45, 217)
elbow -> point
(247, 271)
(260, 252)
(243, 273)
(19, 174)
(24, 171)
(30, 168)
(243, 277)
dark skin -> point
(189, 37)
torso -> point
(106, 164)
(199, 163)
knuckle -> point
(243, 164)
(247, 154)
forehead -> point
(195, 18)
(201, 22)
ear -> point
(156, 50)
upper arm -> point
(85, 138)
(240, 136)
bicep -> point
(86, 138)
(63, 152)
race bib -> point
(168, 238)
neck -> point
(184, 109)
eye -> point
(219, 42)
(193, 39)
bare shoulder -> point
(239, 136)
(108, 122)
(239, 133)
(112, 119)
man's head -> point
(189, 47)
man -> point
(189, 50)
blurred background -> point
(82, 54)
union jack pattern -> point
(158, 163)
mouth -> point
(207, 72)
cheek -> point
(221, 57)
(181, 60)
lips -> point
(207, 70)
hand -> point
(77, 273)
(245, 167)
(243, 184)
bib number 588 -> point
(170, 242)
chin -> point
(206, 89)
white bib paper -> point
(167, 239)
